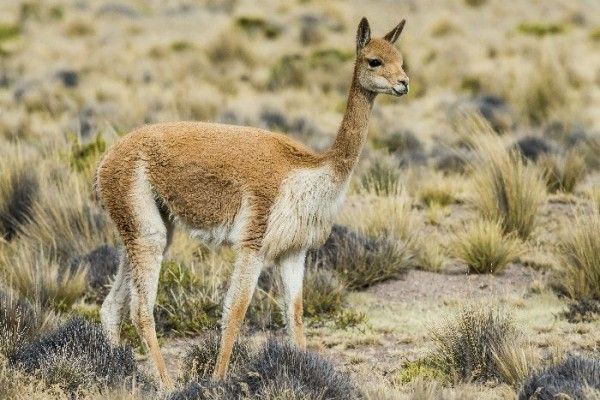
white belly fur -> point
(304, 211)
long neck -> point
(352, 133)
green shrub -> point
(257, 25)
(423, 369)
(485, 248)
(540, 29)
(188, 300)
(8, 32)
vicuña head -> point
(268, 196)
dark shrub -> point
(584, 310)
(576, 377)
(77, 354)
(449, 160)
(532, 147)
(68, 77)
(307, 374)
(493, 108)
(18, 196)
(277, 371)
(360, 261)
(102, 264)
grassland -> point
(466, 258)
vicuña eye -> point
(374, 62)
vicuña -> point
(267, 195)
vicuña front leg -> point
(243, 282)
(292, 274)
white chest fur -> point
(304, 211)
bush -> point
(506, 189)
(77, 354)
(583, 310)
(101, 264)
(484, 247)
(579, 276)
(469, 347)
(277, 371)
(533, 147)
(437, 191)
(306, 374)
(382, 178)
(563, 174)
(361, 261)
(574, 378)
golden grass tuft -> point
(563, 173)
(485, 248)
(579, 273)
(506, 189)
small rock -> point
(532, 147)
(102, 264)
(69, 78)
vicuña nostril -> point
(403, 82)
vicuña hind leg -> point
(146, 257)
(292, 274)
(241, 287)
(116, 301)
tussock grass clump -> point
(361, 261)
(65, 222)
(544, 91)
(579, 276)
(324, 293)
(575, 377)
(506, 189)
(437, 190)
(39, 278)
(563, 174)
(472, 346)
(485, 248)
(19, 187)
(77, 354)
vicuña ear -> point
(363, 35)
(394, 34)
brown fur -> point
(207, 176)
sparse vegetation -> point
(399, 256)
(485, 248)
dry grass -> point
(579, 273)
(485, 248)
(506, 189)
(480, 343)
(564, 173)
